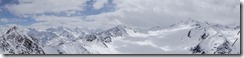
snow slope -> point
(185, 37)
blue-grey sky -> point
(100, 14)
(7, 17)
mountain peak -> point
(120, 26)
(16, 42)
(190, 22)
(14, 28)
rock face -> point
(213, 38)
(113, 32)
(14, 42)
(224, 48)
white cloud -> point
(159, 12)
(142, 13)
(99, 4)
(6, 20)
(73, 22)
(30, 8)
(33, 7)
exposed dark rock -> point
(204, 36)
(224, 48)
(197, 49)
(91, 37)
(15, 43)
(189, 34)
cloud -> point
(139, 13)
(40, 11)
(48, 21)
(148, 13)
(4, 20)
(33, 7)
(8, 20)
(99, 4)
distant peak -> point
(120, 26)
(190, 21)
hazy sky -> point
(100, 14)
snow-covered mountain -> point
(185, 37)
(16, 42)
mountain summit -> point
(15, 42)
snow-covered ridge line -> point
(197, 37)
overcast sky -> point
(100, 14)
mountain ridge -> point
(207, 38)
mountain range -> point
(185, 37)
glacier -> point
(185, 37)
